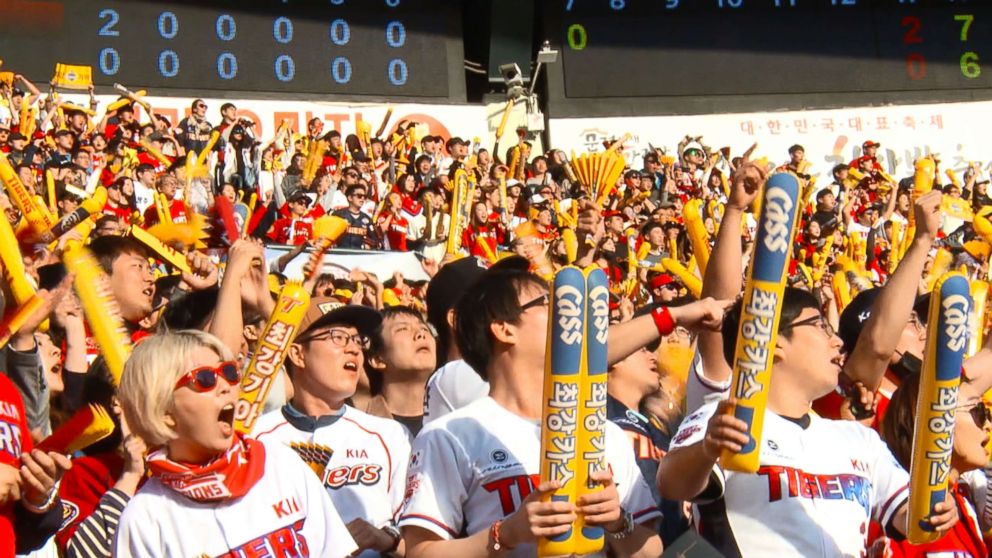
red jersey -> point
(177, 210)
(90, 477)
(121, 212)
(474, 233)
(395, 232)
(290, 230)
(15, 439)
(964, 540)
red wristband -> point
(494, 534)
(663, 320)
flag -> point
(73, 77)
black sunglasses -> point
(542, 300)
(979, 412)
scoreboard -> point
(726, 55)
(378, 48)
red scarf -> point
(229, 476)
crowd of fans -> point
(418, 403)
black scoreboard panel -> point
(377, 48)
(728, 55)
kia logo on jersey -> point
(498, 456)
(365, 473)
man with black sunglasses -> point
(360, 234)
(360, 458)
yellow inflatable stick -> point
(591, 436)
(16, 320)
(692, 283)
(13, 264)
(760, 313)
(270, 353)
(326, 230)
(161, 249)
(100, 307)
(933, 434)
(979, 298)
(563, 376)
(700, 239)
(571, 245)
(37, 217)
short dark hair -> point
(377, 343)
(493, 298)
(796, 147)
(351, 189)
(144, 167)
(104, 220)
(794, 301)
(839, 167)
(652, 225)
(226, 106)
(107, 249)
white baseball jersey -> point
(360, 459)
(476, 465)
(286, 513)
(818, 484)
(451, 387)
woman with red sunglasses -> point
(213, 492)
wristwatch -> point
(395, 534)
(626, 529)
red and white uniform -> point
(286, 513)
(818, 485)
(360, 459)
(476, 465)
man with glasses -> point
(361, 459)
(819, 482)
(360, 234)
(193, 132)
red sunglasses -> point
(204, 378)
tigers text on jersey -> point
(286, 514)
(818, 484)
(360, 459)
(475, 465)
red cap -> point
(870, 143)
(661, 280)
(611, 213)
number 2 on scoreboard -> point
(916, 64)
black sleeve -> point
(72, 396)
(32, 530)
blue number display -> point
(227, 66)
(227, 28)
(397, 71)
(168, 63)
(282, 30)
(340, 32)
(341, 69)
(395, 34)
(285, 68)
(110, 61)
(168, 25)
(112, 18)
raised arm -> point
(723, 279)
(891, 311)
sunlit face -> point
(409, 345)
(331, 362)
(133, 286)
(812, 353)
(970, 437)
(204, 421)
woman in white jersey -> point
(213, 492)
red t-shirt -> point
(396, 232)
(471, 236)
(83, 485)
(964, 540)
(176, 208)
(15, 439)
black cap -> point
(448, 285)
(854, 316)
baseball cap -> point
(870, 143)
(324, 311)
(854, 316)
(661, 280)
(448, 285)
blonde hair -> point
(149, 379)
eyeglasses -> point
(359, 196)
(543, 300)
(818, 321)
(979, 412)
(204, 378)
(339, 338)
(201, 106)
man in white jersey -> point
(472, 484)
(360, 459)
(819, 482)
